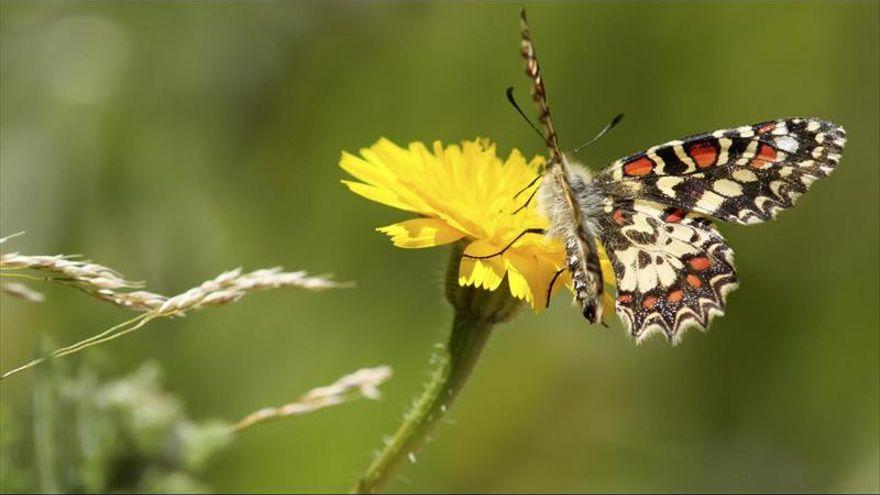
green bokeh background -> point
(173, 142)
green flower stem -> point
(476, 313)
(456, 363)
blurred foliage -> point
(120, 436)
(173, 141)
(15, 472)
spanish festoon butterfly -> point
(652, 212)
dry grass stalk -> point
(96, 280)
(4, 239)
(232, 285)
(362, 383)
(108, 285)
(92, 274)
(105, 283)
(22, 291)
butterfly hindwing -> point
(743, 175)
(673, 270)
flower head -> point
(464, 192)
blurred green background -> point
(174, 142)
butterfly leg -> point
(509, 244)
(531, 197)
(552, 283)
(530, 184)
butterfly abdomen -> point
(574, 223)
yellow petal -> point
(366, 171)
(605, 265)
(526, 279)
(536, 273)
(383, 176)
(610, 281)
(383, 196)
(421, 233)
(482, 247)
(485, 273)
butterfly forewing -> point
(744, 175)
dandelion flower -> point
(465, 193)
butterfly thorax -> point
(573, 204)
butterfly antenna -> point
(539, 93)
(513, 102)
(611, 125)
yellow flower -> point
(465, 193)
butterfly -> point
(653, 212)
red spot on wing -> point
(640, 167)
(618, 217)
(649, 302)
(694, 281)
(704, 154)
(765, 157)
(700, 264)
(767, 128)
(675, 296)
(767, 152)
(675, 216)
(625, 298)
